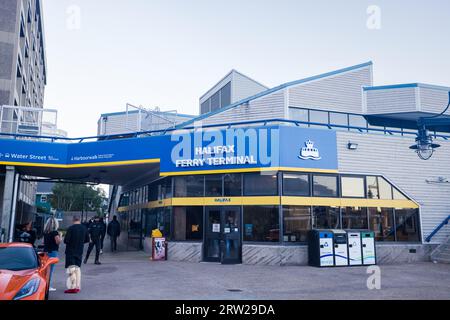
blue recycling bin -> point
(320, 248)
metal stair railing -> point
(435, 254)
(437, 229)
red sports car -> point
(24, 273)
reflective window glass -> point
(260, 184)
(352, 187)
(232, 185)
(407, 225)
(381, 221)
(215, 101)
(296, 223)
(378, 188)
(205, 107)
(261, 223)
(189, 186)
(188, 223)
(326, 218)
(325, 186)
(397, 195)
(295, 184)
(225, 95)
(372, 188)
(385, 189)
(354, 218)
(213, 185)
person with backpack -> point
(114, 233)
(95, 233)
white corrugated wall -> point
(267, 107)
(390, 156)
(391, 100)
(117, 124)
(433, 100)
(244, 87)
(341, 92)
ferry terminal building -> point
(343, 162)
(246, 180)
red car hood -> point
(12, 281)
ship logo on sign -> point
(309, 152)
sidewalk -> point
(131, 275)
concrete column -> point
(9, 203)
(2, 185)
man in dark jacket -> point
(76, 237)
(114, 233)
(95, 232)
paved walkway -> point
(132, 275)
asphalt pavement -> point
(133, 276)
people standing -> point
(76, 236)
(103, 235)
(95, 233)
(114, 233)
(52, 239)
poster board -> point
(159, 249)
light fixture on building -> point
(438, 180)
(352, 146)
(424, 146)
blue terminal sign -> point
(188, 151)
(247, 148)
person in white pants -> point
(77, 235)
(74, 279)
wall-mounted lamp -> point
(352, 146)
(438, 180)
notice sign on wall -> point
(159, 249)
(216, 228)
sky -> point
(103, 54)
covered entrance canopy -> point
(122, 161)
(108, 174)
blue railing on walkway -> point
(228, 125)
(437, 229)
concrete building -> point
(23, 68)
(23, 76)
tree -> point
(77, 197)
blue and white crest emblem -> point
(309, 152)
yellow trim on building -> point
(84, 165)
(159, 204)
(225, 201)
(350, 202)
(248, 170)
(274, 201)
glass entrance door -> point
(223, 241)
(213, 235)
